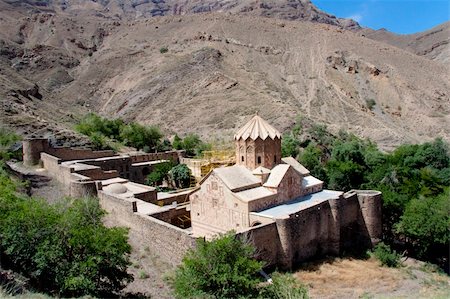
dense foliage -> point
(181, 175)
(64, 249)
(192, 144)
(159, 174)
(223, 268)
(414, 179)
(103, 131)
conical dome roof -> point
(257, 127)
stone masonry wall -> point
(169, 242)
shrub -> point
(138, 136)
(386, 255)
(284, 286)
(370, 103)
(7, 140)
(221, 268)
(163, 50)
(159, 174)
(181, 175)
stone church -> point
(278, 202)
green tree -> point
(138, 136)
(177, 142)
(181, 175)
(289, 146)
(221, 268)
(159, 174)
(63, 249)
(425, 223)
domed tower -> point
(258, 144)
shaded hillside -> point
(433, 44)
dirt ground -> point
(351, 278)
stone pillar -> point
(32, 149)
(285, 234)
(335, 226)
(370, 203)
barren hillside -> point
(433, 44)
(218, 70)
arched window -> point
(259, 160)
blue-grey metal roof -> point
(299, 204)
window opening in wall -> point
(242, 158)
(275, 159)
(259, 160)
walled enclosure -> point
(275, 203)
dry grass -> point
(350, 278)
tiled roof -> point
(257, 128)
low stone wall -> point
(170, 155)
(67, 153)
(169, 242)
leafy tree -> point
(425, 223)
(181, 175)
(159, 174)
(289, 146)
(177, 142)
(221, 268)
(63, 249)
(138, 136)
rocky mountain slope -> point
(433, 44)
(219, 69)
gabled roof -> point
(257, 128)
(296, 165)
(237, 178)
(260, 170)
(276, 175)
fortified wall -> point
(347, 224)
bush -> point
(7, 140)
(386, 255)
(163, 50)
(221, 268)
(284, 286)
(159, 174)
(181, 175)
(370, 103)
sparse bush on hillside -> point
(386, 255)
(163, 50)
(370, 103)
